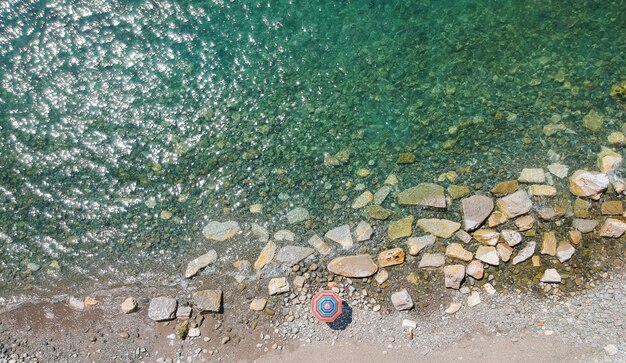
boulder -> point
(358, 266)
(221, 231)
(416, 244)
(612, 228)
(456, 250)
(394, 256)
(199, 263)
(439, 227)
(400, 228)
(425, 194)
(454, 275)
(341, 235)
(291, 255)
(585, 183)
(297, 215)
(476, 209)
(207, 300)
(401, 300)
(432, 260)
(162, 308)
(488, 254)
(278, 285)
(515, 204)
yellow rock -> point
(593, 121)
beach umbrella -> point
(326, 306)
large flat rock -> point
(515, 204)
(425, 194)
(353, 266)
(476, 209)
(439, 227)
(221, 231)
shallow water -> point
(112, 112)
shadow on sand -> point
(344, 319)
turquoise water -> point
(112, 112)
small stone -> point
(183, 312)
(612, 228)
(358, 266)
(439, 227)
(400, 228)
(207, 300)
(488, 255)
(90, 301)
(278, 285)
(162, 308)
(376, 308)
(299, 281)
(341, 235)
(616, 138)
(551, 213)
(392, 180)
(585, 183)
(432, 260)
(322, 247)
(614, 207)
(284, 235)
(362, 200)
(476, 209)
(166, 215)
(581, 208)
(608, 160)
(505, 188)
(463, 236)
(551, 276)
(525, 223)
(401, 300)
(454, 275)
(515, 204)
(266, 255)
(564, 251)
(260, 233)
(558, 170)
(489, 288)
(496, 218)
(297, 215)
(194, 333)
(489, 237)
(529, 175)
(475, 269)
(458, 191)
(381, 276)
(410, 324)
(425, 194)
(199, 263)
(406, 158)
(536, 260)
(575, 237)
(610, 350)
(416, 244)
(394, 256)
(256, 208)
(291, 255)
(504, 251)
(473, 299)
(513, 238)
(538, 190)
(363, 231)
(381, 194)
(525, 253)
(456, 250)
(258, 304)
(378, 212)
(593, 121)
(221, 231)
(584, 225)
(453, 308)
(225, 340)
(76, 304)
(548, 246)
(129, 305)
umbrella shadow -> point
(344, 319)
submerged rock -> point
(439, 227)
(266, 255)
(400, 228)
(608, 160)
(476, 209)
(162, 308)
(353, 266)
(297, 215)
(207, 300)
(425, 194)
(529, 175)
(291, 255)
(259, 232)
(199, 263)
(362, 200)
(341, 235)
(378, 212)
(363, 231)
(381, 194)
(593, 121)
(401, 300)
(584, 225)
(221, 231)
(285, 235)
(322, 247)
(505, 188)
(558, 170)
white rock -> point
(585, 183)
(416, 244)
(341, 235)
(558, 170)
(199, 263)
(284, 235)
(515, 204)
(564, 251)
(613, 228)
(610, 350)
(129, 305)
(278, 285)
(381, 276)
(529, 175)
(401, 300)
(432, 260)
(475, 269)
(488, 254)
(76, 304)
(453, 308)
(512, 238)
(363, 231)
(551, 275)
(221, 231)
(454, 275)
(489, 288)
(291, 255)
(322, 247)
(162, 308)
(473, 299)
(411, 324)
(525, 253)
(476, 209)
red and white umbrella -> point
(326, 306)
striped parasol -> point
(326, 306)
